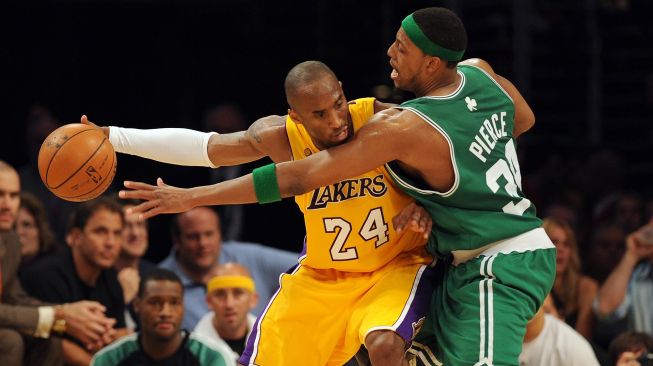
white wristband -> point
(179, 146)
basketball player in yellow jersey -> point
(358, 281)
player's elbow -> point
(525, 122)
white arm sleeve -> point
(179, 146)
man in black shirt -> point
(86, 271)
(161, 342)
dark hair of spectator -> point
(629, 342)
(158, 274)
(35, 208)
(84, 211)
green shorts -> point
(480, 308)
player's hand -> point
(159, 199)
(85, 121)
(413, 217)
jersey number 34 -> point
(510, 171)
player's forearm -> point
(241, 190)
(235, 191)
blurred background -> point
(584, 66)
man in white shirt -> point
(231, 295)
(551, 342)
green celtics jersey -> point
(485, 203)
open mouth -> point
(342, 134)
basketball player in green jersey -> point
(453, 149)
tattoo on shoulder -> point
(257, 128)
(254, 131)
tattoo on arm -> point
(254, 130)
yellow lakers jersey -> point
(349, 224)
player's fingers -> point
(427, 231)
(151, 213)
(138, 185)
(401, 220)
(138, 194)
(84, 119)
(159, 182)
(144, 206)
(426, 219)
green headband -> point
(429, 47)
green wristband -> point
(427, 46)
(265, 184)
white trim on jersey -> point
(486, 338)
(454, 93)
(425, 354)
(433, 124)
(409, 302)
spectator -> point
(231, 295)
(131, 265)
(627, 293)
(572, 292)
(33, 229)
(198, 246)
(27, 325)
(606, 248)
(632, 349)
(551, 342)
(86, 271)
(161, 341)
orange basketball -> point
(77, 162)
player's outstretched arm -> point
(384, 139)
(187, 147)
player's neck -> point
(445, 84)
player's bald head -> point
(301, 77)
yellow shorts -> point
(321, 317)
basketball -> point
(77, 162)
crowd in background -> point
(95, 252)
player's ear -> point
(435, 63)
(294, 116)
